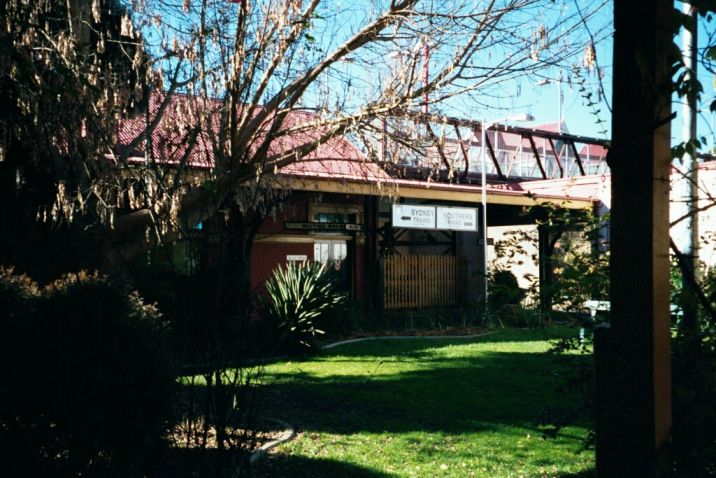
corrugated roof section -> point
(188, 132)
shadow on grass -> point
(466, 394)
(190, 463)
(592, 473)
(401, 387)
(275, 466)
(193, 463)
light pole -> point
(560, 101)
(484, 125)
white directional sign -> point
(457, 218)
(296, 258)
(413, 217)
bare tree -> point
(250, 68)
(247, 88)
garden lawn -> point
(429, 408)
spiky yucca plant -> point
(297, 296)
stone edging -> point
(362, 339)
(287, 434)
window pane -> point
(340, 250)
(320, 251)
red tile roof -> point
(337, 169)
(181, 125)
(336, 159)
(170, 137)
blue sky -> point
(496, 99)
(543, 101)
(537, 94)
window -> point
(330, 252)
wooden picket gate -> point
(422, 281)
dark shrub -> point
(693, 362)
(85, 385)
(504, 289)
(694, 408)
(345, 318)
(505, 298)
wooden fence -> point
(423, 281)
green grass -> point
(427, 407)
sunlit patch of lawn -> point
(428, 407)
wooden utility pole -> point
(633, 363)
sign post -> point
(410, 216)
(457, 218)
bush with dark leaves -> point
(85, 383)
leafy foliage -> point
(297, 296)
(581, 274)
(577, 257)
(71, 74)
(693, 350)
(694, 388)
(85, 383)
